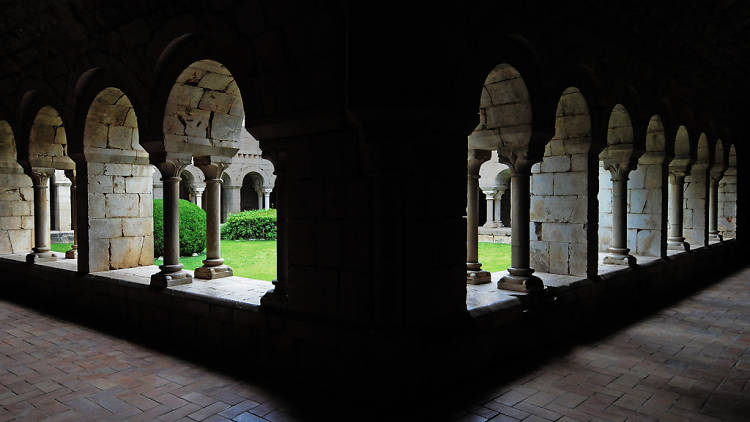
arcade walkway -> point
(690, 361)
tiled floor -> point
(690, 361)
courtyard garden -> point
(248, 242)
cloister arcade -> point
(387, 160)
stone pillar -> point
(171, 273)
(41, 251)
(713, 207)
(676, 241)
(198, 195)
(267, 198)
(490, 195)
(213, 266)
(278, 296)
(474, 272)
(499, 207)
(520, 275)
(73, 252)
(618, 252)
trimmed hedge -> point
(253, 224)
(192, 228)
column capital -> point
(677, 177)
(172, 167)
(490, 193)
(212, 167)
(71, 175)
(475, 160)
(267, 191)
(40, 175)
(618, 170)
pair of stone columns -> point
(494, 198)
(42, 251)
(171, 272)
(520, 275)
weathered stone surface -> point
(137, 226)
(99, 255)
(138, 185)
(118, 169)
(122, 205)
(570, 183)
(125, 252)
(556, 164)
(105, 228)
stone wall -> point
(695, 213)
(604, 198)
(119, 177)
(645, 205)
(16, 198)
(561, 211)
(727, 223)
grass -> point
(494, 256)
(257, 258)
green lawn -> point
(257, 258)
(494, 256)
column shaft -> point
(499, 210)
(472, 215)
(490, 195)
(41, 251)
(73, 252)
(713, 209)
(171, 273)
(618, 252)
(213, 264)
(676, 241)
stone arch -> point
(647, 194)
(695, 214)
(119, 209)
(48, 141)
(204, 112)
(727, 223)
(16, 201)
(562, 210)
(251, 192)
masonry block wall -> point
(695, 214)
(728, 204)
(646, 200)
(563, 216)
(16, 198)
(119, 177)
(604, 198)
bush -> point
(192, 228)
(254, 224)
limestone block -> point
(8, 194)
(6, 208)
(138, 185)
(131, 121)
(99, 255)
(648, 242)
(122, 205)
(637, 200)
(5, 245)
(21, 208)
(226, 127)
(537, 208)
(142, 171)
(100, 184)
(8, 223)
(653, 202)
(118, 184)
(187, 96)
(542, 184)
(631, 240)
(573, 126)
(558, 257)
(643, 221)
(605, 238)
(216, 101)
(96, 135)
(140, 226)
(146, 206)
(579, 162)
(556, 164)
(237, 108)
(174, 125)
(105, 228)
(559, 209)
(215, 81)
(564, 232)
(571, 183)
(95, 168)
(507, 116)
(118, 169)
(580, 212)
(605, 201)
(605, 219)
(540, 256)
(688, 219)
(147, 251)
(20, 240)
(97, 205)
(577, 258)
(125, 252)
(27, 222)
(120, 137)
(637, 178)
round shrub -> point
(192, 228)
(253, 224)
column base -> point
(521, 280)
(478, 277)
(619, 256)
(491, 225)
(35, 257)
(71, 254)
(162, 280)
(678, 245)
(211, 273)
(716, 237)
(276, 297)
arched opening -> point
(695, 203)
(615, 165)
(120, 186)
(679, 168)
(251, 192)
(16, 232)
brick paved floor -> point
(52, 369)
(690, 361)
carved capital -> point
(172, 167)
(267, 191)
(475, 160)
(211, 167)
(489, 193)
(676, 178)
(41, 175)
(619, 171)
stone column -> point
(41, 250)
(198, 195)
(675, 240)
(73, 252)
(618, 252)
(54, 203)
(278, 296)
(474, 272)
(520, 275)
(267, 198)
(490, 195)
(713, 207)
(499, 207)
(213, 266)
(171, 273)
